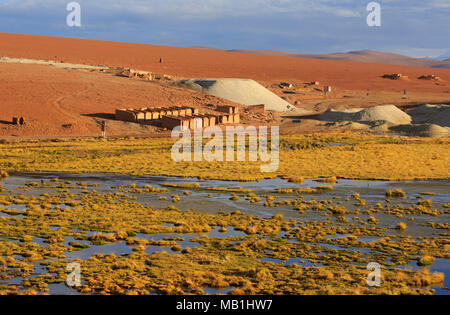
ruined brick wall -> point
(125, 115)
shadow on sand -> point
(109, 116)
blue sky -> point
(411, 27)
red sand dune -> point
(191, 62)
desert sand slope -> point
(201, 63)
(242, 91)
(56, 101)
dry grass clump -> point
(372, 220)
(278, 217)
(102, 238)
(183, 185)
(420, 279)
(234, 197)
(284, 191)
(401, 226)
(223, 229)
(323, 188)
(151, 189)
(219, 283)
(325, 274)
(230, 189)
(176, 198)
(27, 239)
(426, 279)
(252, 198)
(251, 230)
(329, 180)
(306, 190)
(78, 246)
(186, 251)
(395, 193)
(426, 261)
(427, 203)
(337, 210)
(237, 292)
(296, 180)
(428, 193)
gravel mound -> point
(429, 130)
(388, 113)
(242, 91)
(431, 114)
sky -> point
(417, 28)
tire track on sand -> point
(58, 102)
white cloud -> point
(294, 25)
(200, 9)
(440, 3)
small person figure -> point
(405, 96)
(160, 60)
(103, 124)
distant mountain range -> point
(445, 56)
(363, 56)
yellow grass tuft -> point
(401, 226)
(426, 261)
(395, 193)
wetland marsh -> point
(138, 223)
(171, 235)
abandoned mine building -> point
(171, 117)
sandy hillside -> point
(362, 56)
(58, 101)
(49, 97)
(204, 63)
